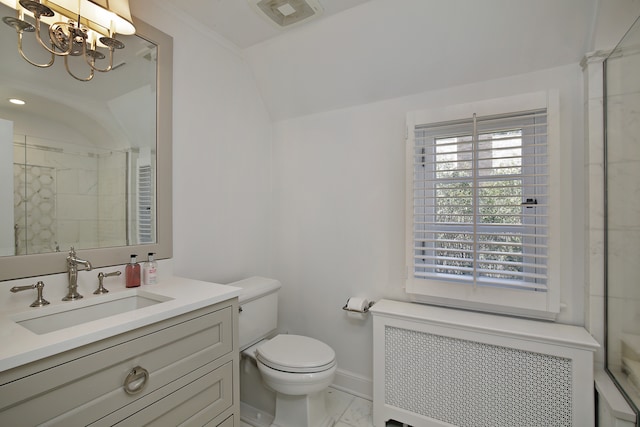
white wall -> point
(333, 225)
(338, 208)
(221, 154)
(336, 216)
(384, 49)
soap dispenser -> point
(150, 270)
(132, 273)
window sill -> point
(534, 305)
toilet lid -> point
(296, 353)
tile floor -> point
(348, 410)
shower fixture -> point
(75, 28)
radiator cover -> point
(439, 367)
(479, 379)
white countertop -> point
(20, 346)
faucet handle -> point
(101, 289)
(40, 301)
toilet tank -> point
(258, 316)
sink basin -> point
(76, 313)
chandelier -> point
(83, 28)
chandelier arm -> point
(92, 61)
(66, 65)
(49, 64)
(52, 50)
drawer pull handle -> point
(136, 380)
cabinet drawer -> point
(199, 395)
(227, 423)
(89, 384)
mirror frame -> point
(23, 266)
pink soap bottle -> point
(132, 273)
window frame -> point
(527, 303)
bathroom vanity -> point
(171, 357)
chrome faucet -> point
(72, 267)
(40, 301)
(101, 289)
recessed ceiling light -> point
(17, 101)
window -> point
(479, 199)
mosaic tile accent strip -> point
(34, 208)
(468, 383)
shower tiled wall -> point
(112, 188)
(34, 204)
(67, 179)
(623, 164)
(623, 213)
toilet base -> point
(253, 417)
(302, 411)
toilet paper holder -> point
(365, 309)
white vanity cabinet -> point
(192, 364)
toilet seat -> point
(296, 354)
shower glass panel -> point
(622, 214)
(67, 195)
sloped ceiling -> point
(365, 51)
(389, 48)
(236, 21)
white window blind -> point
(480, 201)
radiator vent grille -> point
(467, 383)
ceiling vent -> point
(285, 13)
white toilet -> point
(298, 368)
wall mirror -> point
(84, 164)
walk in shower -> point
(622, 214)
(71, 195)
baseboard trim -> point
(354, 384)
